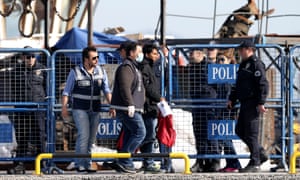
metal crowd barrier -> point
(15, 105)
(282, 72)
(181, 91)
(112, 155)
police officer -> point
(28, 85)
(84, 85)
(251, 90)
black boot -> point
(198, 166)
(212, 165)
(263, 155)
(18, 169)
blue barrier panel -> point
(198, 90)
(221, 129)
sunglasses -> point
(30, 56)
(96, 57)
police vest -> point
(87, 89)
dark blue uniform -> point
(199, 90)
(251, 90)
(28, 85)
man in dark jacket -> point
(128, 100)
(251, 90)
(153, 96)
(28, 85)
(199, 90)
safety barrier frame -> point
(281, 101)
(112, 155)
(39, 106)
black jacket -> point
(251, 82)
(128, 87)
(198, 79)
(152, 87)
(29, 84)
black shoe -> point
(18, 169)
(112, 165)
(125, 169)
(212, 165)
(263, 155)
(197, 167)
(250, 168)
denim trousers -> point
(87, 124)
(166, 163)
(134, 134)
(148, 143)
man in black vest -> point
(84, 85)
(128, 100)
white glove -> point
(131, 110)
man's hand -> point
(262, 108)
(64, 112)
(112, 113)
(229, 105)
(131, 111)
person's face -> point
(123, 53)
(244, 53)
(29, 60)
(154, 55)
(212, 53)
(223, 60)
(196, 56)
(92, 59)
(134, 54)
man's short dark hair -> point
(148, 48)
(131, 46)
(85, 52)
(123, 45)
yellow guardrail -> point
(110, 155)
(293, 162)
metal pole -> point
(267, 18)
(90, 22)
(162, 22)
(46, 27)
(214, 21)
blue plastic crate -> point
(6, 135)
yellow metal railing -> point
(293, 162)
(111, 155)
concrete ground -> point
(111, 175)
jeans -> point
(148, 143)
(134, 134)
(166, 163)
(87, 124)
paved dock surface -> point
(112, 175)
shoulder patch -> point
(257, 73)
(247, 65)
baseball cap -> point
(247, 44)
(28, 53)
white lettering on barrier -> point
(223, 73)
(222, 129)
(106, 128)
